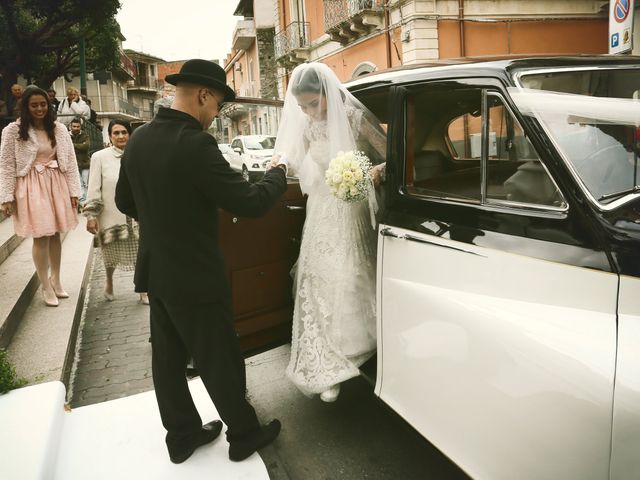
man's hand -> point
(8, 209)
(92, 225)
(74, 203)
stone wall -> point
(267, 62)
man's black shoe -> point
(208, 433)
(245, 447)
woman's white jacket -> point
(17, 157)
(101, 191)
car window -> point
(224, 148)
(514, 172)
(440, 161)
(446, 158)
(260, 143)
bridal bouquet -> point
(348, 176)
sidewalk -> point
(113, 357)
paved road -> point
(355, 438)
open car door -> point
(260, 252)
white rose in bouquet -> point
(348, 176)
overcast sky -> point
(179, 30)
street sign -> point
(620, 25)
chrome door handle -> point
(294, 207)
(388, 232)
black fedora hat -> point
(205, 73)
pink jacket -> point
(17, 157)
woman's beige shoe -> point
(108, 296)
(50, 298)
(144, 299)
(60, 293)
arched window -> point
(363, 69)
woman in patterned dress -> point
(116, 234)
(334, 319)
(40, 185)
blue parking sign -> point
(615, 40)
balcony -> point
(146, 83)
(346, 20)
(244, 35)
(127, 108)
(292, 44)
(126, 65)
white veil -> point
(344, 114)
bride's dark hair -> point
(307, 82)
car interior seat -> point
(429, 164)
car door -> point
(626, 418)
(259, 254)
(496, 299)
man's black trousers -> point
(204, 332)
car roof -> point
(502, 66)
(253, 136)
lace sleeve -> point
(375, 137)
(371, 138)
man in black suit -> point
(172, 180)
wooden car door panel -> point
(259, 254)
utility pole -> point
(83, 68)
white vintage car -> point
(509, 263)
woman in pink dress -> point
(40, 185)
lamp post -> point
(83, 68)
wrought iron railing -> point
(146, 81)
(295, 35)
(128, 108)
(338, 12)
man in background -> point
(55, 103)
(73, 106)
(13, 104)
(81, 145)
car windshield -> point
(592, 116)
(260, 143)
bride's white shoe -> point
(330, 394)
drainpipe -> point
(461, 26)
(388, 33)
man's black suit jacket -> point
(172, 180)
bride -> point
(334, 323)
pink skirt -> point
(43, 204)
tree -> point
(39, 39)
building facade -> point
(146, 87)
(355, 37)
(252, 72)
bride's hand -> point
(377, 175)
(274, 161)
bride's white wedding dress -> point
(334, 319)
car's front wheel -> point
(245, 172)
